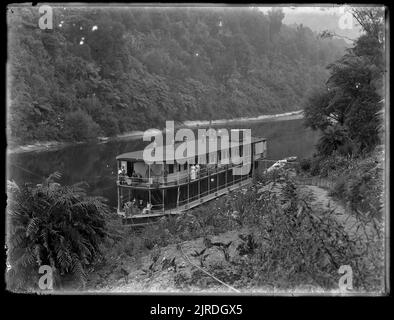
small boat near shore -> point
(281, 163)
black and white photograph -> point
(209, 149)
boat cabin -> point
(177, 183)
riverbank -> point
(294, 115)
(242, 242)
(55, 145)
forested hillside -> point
(108, 71)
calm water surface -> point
(96, 164)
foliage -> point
(291, 245)
(285, 243)
(358, 181)
(297, 246)
(363, 185)
(347, 110)
(305, 164)
(80, 126)
(55, 225)
(133, 68)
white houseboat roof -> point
(138, 155)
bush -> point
(305, 164)
(330, 164)
(315, 167)
(325, 165)
(50, 224)
(339, 188)
(295, 245)
(79, 126)
(359, 182)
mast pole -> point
(217, 178)
(209, 176)
(199, 185)
(188, 184)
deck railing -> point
(172, 179)
(219, 187)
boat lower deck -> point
(148, 218)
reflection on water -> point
(95, 163)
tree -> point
(54, 225)
(80, 126)
(275, 17)
(371, 20)
(335, 138)
(351, 100)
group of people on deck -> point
(137, 177)
(133, 207)
(123, 176)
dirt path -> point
(320, 199)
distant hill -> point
(320, 22)
(109, 71)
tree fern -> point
(52, 224)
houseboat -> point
(149, 190)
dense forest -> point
(103, 71)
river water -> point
(95, 163)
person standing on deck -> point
(128, 209)
(193, 172)
(134, 208)
(197, 169)
(121, 174)
(147, 209)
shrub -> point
(330, 164)
(359, 182)
(339, 188)
(294, 245)
(50, 224)
(315, 167)
(80, 126)
(305, 164)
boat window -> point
(129, 168)
(170, 168)
(185, 166)
(259, 147)
(140, 169)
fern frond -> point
(33, 227)
(78, 269)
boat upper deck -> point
(200, 148)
